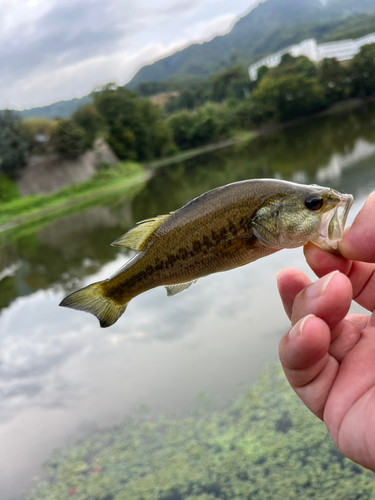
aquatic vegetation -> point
(264, 445)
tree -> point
(290, 95)
(294, 65)
(262, 72)
(69, 139)
(194, 129)
(132, 124)
(363, 71)
(37, 133)
(89, 119)
(152, 88)
(335, 80)
(286, 59)
(231, 83)
(186, 100)
(12, 146)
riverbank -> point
(105, 183)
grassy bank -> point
(264, 445)
(105, 183)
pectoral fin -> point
(175, 289)
(137, 237)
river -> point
(62, 378)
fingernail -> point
(278, 275)
(318, 289)
(297, 329)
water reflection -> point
(62, 378)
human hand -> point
(329, 356)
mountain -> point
(251, 37)
(61, 109)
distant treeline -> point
(195, 115)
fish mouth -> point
(338, 220)
(333, 223)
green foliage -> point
(89, 119)
(362, 71)
(294, 66)
(290, 96)
(61, 109)
(186, 100)
(12, 146)
(262, 72)
(194, 129)
(8, 189)
(335, 79)
(69, 139)
(135, 127)
(353, 27)
(265, 445)
(253, 113)
(106, 180)
(38, 133)
(233, 83)
(152, 88)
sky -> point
(52, 50)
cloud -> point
(51, 50)
(217, 26)
(180, 7)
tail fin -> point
(91, 299)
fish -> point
(222, 229)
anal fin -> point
(181, 287)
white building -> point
(343, 50)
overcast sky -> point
(59, 49)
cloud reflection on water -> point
(62, 377)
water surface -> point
(63, 378)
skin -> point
(329, 356)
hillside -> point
(60, 109)
(269, 26)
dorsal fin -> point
(137, 237)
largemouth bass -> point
(225, 228)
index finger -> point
(358, 242)
(360, 274)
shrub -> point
(12, 146)
(68, 139)
(8, 189)
(38, 133)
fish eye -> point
(314, 202)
